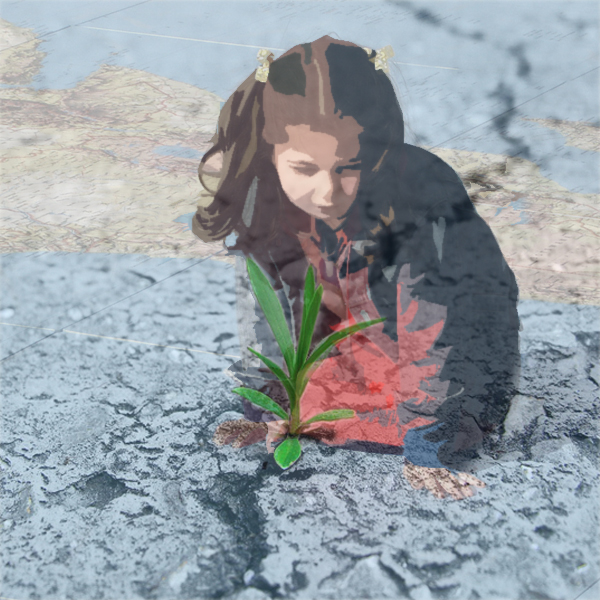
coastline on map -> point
(110, 166)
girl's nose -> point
(325, 189)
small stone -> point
(528, 472)
(7, 313)
(75, 314)
(542, 449)
(248, 576)
(206, 551)
(366, 577)
(421, 593)
(251, 593)
(179, 576)
(400, 569)
(468, 550)
(422, 558)
(524, 413)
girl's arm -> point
(454, 263)
(482, 332)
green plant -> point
(300, 365)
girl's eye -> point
(351, 167)
(308, 171)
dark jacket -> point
(443, 255)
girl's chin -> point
(332, 223)
(326, 215)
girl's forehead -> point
(305, 134)
(319, 145)
(296, 128)
(348, 128)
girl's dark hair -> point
(313, 84)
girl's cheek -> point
(289, 182)
(296, 187)
(349, 185)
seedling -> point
(300, 365)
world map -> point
(110, 166)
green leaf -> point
(309, 286)
(309, 319)
(303, 378)
(261, 400)
(331, 415)
(279, 372)
(288, 452)
(327, 344)
(267, 298)
(309, 294)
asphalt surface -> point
(112, 487)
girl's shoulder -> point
(421, 163)
(429, 187)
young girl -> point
(309, 167)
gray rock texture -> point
(113, 489)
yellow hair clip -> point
(262, 73)
(381, 58)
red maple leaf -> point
(365, 378)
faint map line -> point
(536, 210)
(514, 107)
(513, 266)
(586, 589)
(108, 337)
(28, 326)
(175, 37)
(43, 35)
(429, 66)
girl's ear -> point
(214, 165)
(211, 171)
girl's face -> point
(319, 172)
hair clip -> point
(262, 73)
(381, 58)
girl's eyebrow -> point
(305, 163)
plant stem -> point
(299, 386)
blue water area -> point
(462, 83)
(186, 220)
(519, 205)
(178, 152)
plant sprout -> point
(300, 365)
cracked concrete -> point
(113, 488)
